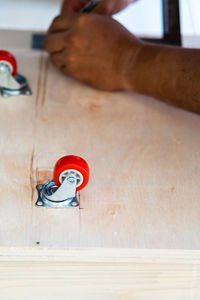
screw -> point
(71, 180)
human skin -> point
(171, 74)
(98, 51)
(95, 49)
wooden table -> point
(136, 234)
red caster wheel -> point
(8, 59)
(71, 165)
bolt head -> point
(71, 180)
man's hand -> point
(107, 7)
(94, 49)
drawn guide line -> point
(39, 103)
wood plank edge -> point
(100, 255)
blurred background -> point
(143, 18)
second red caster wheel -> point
(71, 174)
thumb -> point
(103, 7)
(71, 6)
(67, 7)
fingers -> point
(63, 33)
(58, 59)
(55, 42)
(63, 22)
(66, 61)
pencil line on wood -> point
(31, 174)
(39, 84)
(45, 83)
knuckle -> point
(57, 19)
(83, 19)
(68, 69)
(73, 39)
(57, 22)
(71, 58)
(54, 23)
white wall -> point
(142, 18)
(28, 14)
(190, 17)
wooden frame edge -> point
(100, 255)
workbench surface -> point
(144, 158)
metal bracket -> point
(49, 195)
(12, 85)
(23, 90)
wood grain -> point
(104, 281)
(99, 274)
(143, 193)
(144, 158)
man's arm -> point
(99, 51)
(171, 74)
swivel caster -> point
(71, 174)
(11, 83)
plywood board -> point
(144, 158)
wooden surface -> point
(83, 281)
(144, 158)
(110, 274)
(143, 193)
